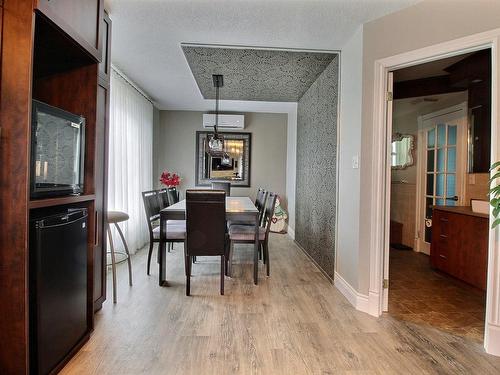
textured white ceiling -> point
(147, 35)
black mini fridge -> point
(58, 287)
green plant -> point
(495, 194)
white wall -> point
(349, 147)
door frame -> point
(380, 180)
(421, 167)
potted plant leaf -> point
(495, 194)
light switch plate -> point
(355, 162)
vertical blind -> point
(130, 169)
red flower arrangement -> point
(170, 179)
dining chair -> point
(163, 198)
(205, 230)
(175, 228)
(220, 185)
(260, 202)
(239, 233)
(173, 195)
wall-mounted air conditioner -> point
(225, 121)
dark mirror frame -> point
(200, 155)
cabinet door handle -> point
(96, 229)
(442, 256)
(443, 236)
(444, 219)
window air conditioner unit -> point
(225, 121)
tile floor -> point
(422, 295)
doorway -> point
(443, 138)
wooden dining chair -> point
(173, 195)
(205, 229)
(220, 185)
(246, 234)
(260, 202)
(176, 228)
(163, 198)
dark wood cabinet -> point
(474, 74)
(459, 244)
(105, 64)
(80, 19)
(44, 58)
(100, 170)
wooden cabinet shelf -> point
(50, 202)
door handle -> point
(455, 198)
(96, 229)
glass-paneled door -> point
(444, 165)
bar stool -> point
(115, 217)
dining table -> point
(238, 209)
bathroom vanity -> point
(459, 243)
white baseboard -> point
(358, 300)
(291, 233)
(492, 339)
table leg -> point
(256, 252)
(161, 253)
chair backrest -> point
(260, 202)
(205, 222)
(269, 211)
(163, 198)
(219, 185)
(151, 207)
(173, 195)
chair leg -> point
(222, 262)
(194, 259)
(188, 276)
(150, 252)
(169, 247)
(128, 254)
(262, 253)
(230, 260)
(113, 261)
(266, 257)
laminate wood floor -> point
(293, 323)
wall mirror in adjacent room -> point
(402, 149)
(232, 164)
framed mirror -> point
(233, 166)
(402, 149)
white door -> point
(443, 166)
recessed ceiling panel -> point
(256, 74)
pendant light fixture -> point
(216, 141)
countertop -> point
(464, 210)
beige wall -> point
(427, 23)
(175, 148)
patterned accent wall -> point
(253, 74)
(317, 168)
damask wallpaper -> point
(316, 169)
(253, 74)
